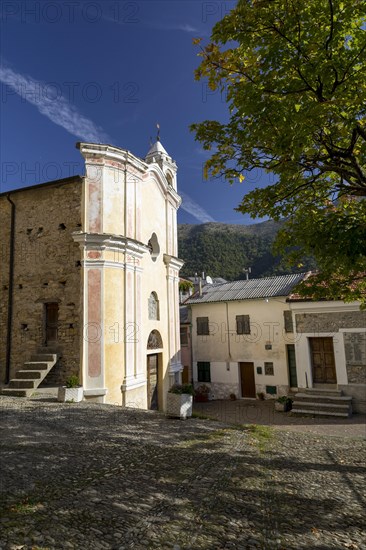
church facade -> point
(91, 272)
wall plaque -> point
(355, 348)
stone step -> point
(320, 391)
(316, 412)
(11, 392)
(36, 365)
(323, 407)
(30, 374)
(23, 384)
(304, 397)
(49, 357)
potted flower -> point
(179, 401)
(283, 403)
(72, 391)
(201, 393)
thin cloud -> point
(58, 110)
(184, 28)
(159, 26)
(190, 206)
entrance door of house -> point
(51, 323)
(152, 381)
(323, 363)
(247, 379)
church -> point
(89, 279)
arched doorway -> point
(153, 367)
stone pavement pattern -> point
(87, 476)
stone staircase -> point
(322, 402)
(31, 375)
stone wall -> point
(358, 394)
(46, 269)
(318, 323)
(5, 209)
(220, 390)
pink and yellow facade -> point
(130, 346)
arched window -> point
(153, 306)
(154, 341)
(169, 178)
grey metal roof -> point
(266, 287)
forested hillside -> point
(222, 250)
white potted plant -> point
(180, 401)
(71, 392)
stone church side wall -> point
(46, 269)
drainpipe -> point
(10, 291)
(228, 332)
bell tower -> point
(157, 154)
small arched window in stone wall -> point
(154, 341)
(153, 306)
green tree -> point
(294, 73)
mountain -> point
(223, 250)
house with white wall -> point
(240, 339)
(257, 337)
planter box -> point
(283, 407)
(70, 394)
(179, 405)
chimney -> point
(247, 271)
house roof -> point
(266, 287)
(55, 183)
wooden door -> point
(185, 375)
(51, 323)
(323, 363)
(152, 381)
(247, 379)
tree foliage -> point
(294, 73)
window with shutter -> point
(204, 371)
(202, 326)
(242, 324)
(289, 326)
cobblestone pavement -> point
(87, 476)
(254, 411)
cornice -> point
(173, 261)
(167, 190)
(103, 241)
(112, 153)
(326, 306)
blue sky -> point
(108, 71)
